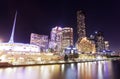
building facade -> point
(39, 40)
(67, 37)
(99, 41)
(81, 25)
(61, 38)
(83, 44)
(56, 39)
(86, 46)
(107, 45)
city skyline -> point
(41, 17)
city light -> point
(58, 49)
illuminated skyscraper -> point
(56, 39)
(39, 40)
(99, 41)
(67, 37)
(107, 45)
(83, 44)
(61, 38)
(81, 25)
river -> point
(86, 70)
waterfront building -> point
(71, 50)
(86, 46)
(56, 39)
(14, 47)
(18, 48)
(39, 40)
(61, 38)
(52, 46)
(67, 37)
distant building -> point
(39, 40)
(99, 41)
(81, 25)
(67, 37)
(56, 39)
(19, 48)
(83, 44)
(107, 45)
(101, 45)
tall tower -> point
(81, 25)
(99, 40)
(106, 45)
(13, 30)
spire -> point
(13, 30)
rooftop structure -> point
(11, 46)
(81, 25)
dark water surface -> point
(87, 70)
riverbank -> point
(55, 62)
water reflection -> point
(70, 71)
(87, 70)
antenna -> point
(13, 30)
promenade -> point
(56, 62)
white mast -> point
(13, 30)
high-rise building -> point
(61, 38)
(39, 40)
(67, 37)
(56, 39)
(99, 40)
(83, 44)
(81, 25)
(107, 45)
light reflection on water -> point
(87, 70)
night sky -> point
(40, 17)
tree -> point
(65, 57)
